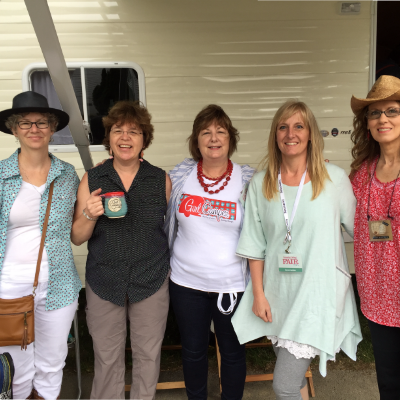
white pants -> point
(41, 365)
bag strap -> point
(46, 221)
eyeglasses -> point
(28, 124)
(376, 114)
(119, 132)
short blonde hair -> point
(315, 161)
(12, 120)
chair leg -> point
(219, 363)
(310, 384)
(77, 355)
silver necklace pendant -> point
(287, 238)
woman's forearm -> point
(82, 229)
(257, 271)
(261, 307)
(91, 203)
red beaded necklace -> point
(227, 175)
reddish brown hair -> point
(208, 115)
(365, 147)
(131, 112)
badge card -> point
(290, 263)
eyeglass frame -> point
(383, 112)
(36, 123)
(112, 131)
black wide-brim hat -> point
(27, 102)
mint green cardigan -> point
(316, 307)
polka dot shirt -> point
(129, 257)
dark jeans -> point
(194, 311)
(386, 344)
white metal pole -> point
(372, 51)
(45, 30)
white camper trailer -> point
(177, 56)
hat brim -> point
(359, 104)
(63, 117)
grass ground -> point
(259, 360)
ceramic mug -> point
(114, 204)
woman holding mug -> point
(203, 224)
(375, 174)
(128, 262)
(300, 295)
(25, 179)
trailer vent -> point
(350, 8)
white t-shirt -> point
(23, 238)
(208, 232)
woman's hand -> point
(101, 162)
(262, 309)
(261, 306)
(94, 205)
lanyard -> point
(391, 198)
(288, 237)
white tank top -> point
(208, 232)
(23, 238)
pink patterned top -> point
(377, 264)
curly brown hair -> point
(133, 112)
(208, 115)
(365, 147)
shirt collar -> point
(107, 169)
(11, 168)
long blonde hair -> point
(315, 162)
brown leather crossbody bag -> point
(17, 322)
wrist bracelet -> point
(87, 216)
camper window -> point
(96, 87)
(41, 83)
(104, 87)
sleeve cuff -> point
(250, 257)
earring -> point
(141, 156)
(16, 139)
(369, 134)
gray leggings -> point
(289, 374)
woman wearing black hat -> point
(25, 178)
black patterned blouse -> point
(129, 257)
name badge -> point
(289, 263)
(380, 231)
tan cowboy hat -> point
(387, 87)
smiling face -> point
(126, 141)
(292, 137)
(33, 137)
(384, 129)
(213, 142)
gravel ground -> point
(338, 385)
